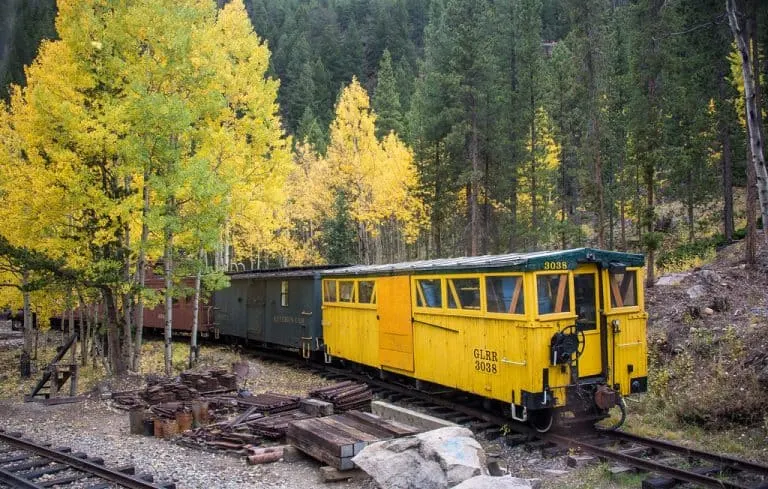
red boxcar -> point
(182, 309)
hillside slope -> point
(708, 342)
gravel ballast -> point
(98, 430)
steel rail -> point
(725, 460)
(649, 465)
(16, 481)
(564, 441)
(116, 477)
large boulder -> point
(490, 482)
(436, 459)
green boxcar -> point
(275, 307)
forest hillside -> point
(532, 124)
(212, 136)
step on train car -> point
(541, 334)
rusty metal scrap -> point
(345, 395)
(270, 402)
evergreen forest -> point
(209, 136)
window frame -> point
(335, 290)
(552, 316)
(523, 292)
(451, 289)
(355, 304)
(284, 293)
(353, 297)
(638, 291)
(372, 303)
(417, 292)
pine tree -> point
(386, 100)
(339, 240)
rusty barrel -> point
(184, 420)
(149, 426)
(136, 417)
(200, 413)
(158, 428)
(170, 428)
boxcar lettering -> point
(485, 360)
(288, 319)
(555, 265)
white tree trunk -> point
(737, 20)
(168, 268)
(28, 330)
(193, 352)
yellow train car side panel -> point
(348, 334)
(494, 355)
(395, 326)
(626, 319)
(349, 327)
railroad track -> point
(668, 464)
(28, 465)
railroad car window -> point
(346, 291)
(623, 288)
(329, 291)
(284, 293)
(553, 293)
(464, 293)
(429, 293)
(505, 294)
(365, 292)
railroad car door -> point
(256, 310)
(586, 286)
(393, 308)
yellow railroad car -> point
(538, 333)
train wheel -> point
(541, 420)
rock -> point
(436, 459)
(708, 311)
(535, 483)
(720, 304)
(581, 460)
(490, 482)
(457, 451)
(400, 470)
(495, 470)
(332, 474)
(696, 291)
(555, 472)
(710, 276)
(671, 279)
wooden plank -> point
(361, 437)
(318, 453)
(516, 294)
(561, 293)
(309, 431)
(381, 432)
(396, 428)
(616, 294)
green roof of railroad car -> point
(523, 262)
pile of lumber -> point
(248, 428)
(345, 395)
(269, 402)
(219, 439)
(169, 392)
(336, 439)
(210, 380)
(274, 426)
(128, 400)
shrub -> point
(708, 384)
